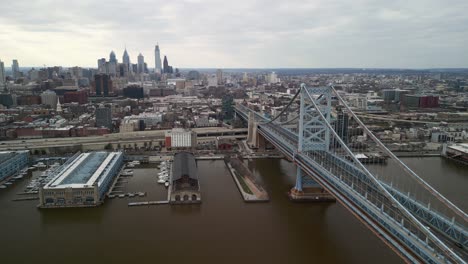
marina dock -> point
(148, 203)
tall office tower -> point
(126, 60)
(112, 64)
(2, 74)
(112, 57)
(157, 60)
(166, 65)
(103, 117)
(219, 76)
(141, 63)
(103, 85)
(101, 65)
(15, 69)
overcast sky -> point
(238, 34)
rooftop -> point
(84, 170)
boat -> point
(2, 186)
(141, 194)
(166, 184)
(40, 165)
(121, 195)
(8, 183)
(161, 181)
(131, 195)
(130, 165)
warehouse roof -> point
(184, 164)
(84, 170)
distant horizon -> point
(262, 68)
(417, 34)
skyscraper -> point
(219, 76)
(102, 65)
(15, 69)
(103, 85)
(157, 60)
(112, 57)
(141, 63)
(126, 60)
(167, 68)
(2, 74)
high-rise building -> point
(157, 60)
(167, 67)
(2, 74)
(219, 76)
(49, 98)
(103, 117)
(126, 60)
(273, 78)
(15, 69)
(102, 65)
(112, 57)
(141, 63)
(112, 64)
(103, 85)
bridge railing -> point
(341, 161)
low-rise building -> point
(82, 181)
(11, 162)
(185, 188)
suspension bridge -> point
(320, 133)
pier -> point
(249, 189)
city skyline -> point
(303, 34)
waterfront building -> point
(82, 181)
(180, 138)
(458, 152)
(157, 59)
(12, 162)
(185, 188)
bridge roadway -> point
(372, 216)
(123, 138)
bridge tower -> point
(314, 135)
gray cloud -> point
(243, 33)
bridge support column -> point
(308, 190)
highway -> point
(123, 138)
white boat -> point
(2, 186)
(40, 165)
(130, 165)
(161, 181)
(166, 184)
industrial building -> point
(185, 188)
(458, 152)
(11, 162)
(180, 138)
(82, 181)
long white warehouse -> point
(82, 181)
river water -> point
(223, 229)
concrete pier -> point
(310, 194)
